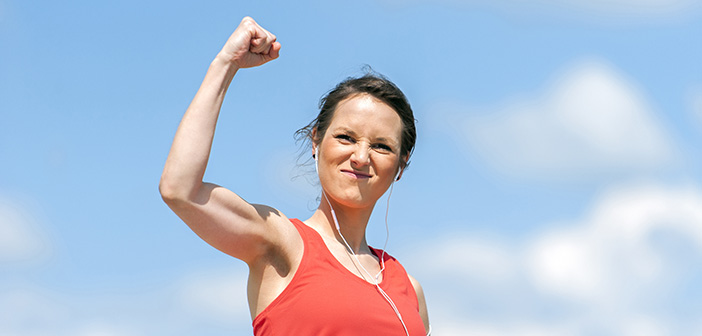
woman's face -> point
(359, 156)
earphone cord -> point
(382, 258)
(387, 233)
(382, 261)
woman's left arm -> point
(422, 303)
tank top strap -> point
(315, 248)
(302, 229)
(395, 276)
(313, 243)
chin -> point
(354, 201)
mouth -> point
(356, 174)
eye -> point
(344, 138)
(382, 147)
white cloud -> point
(567, 263)
(616, 271)
(217, 295)
(35, 311)
(609, 11)
(615, 251)
(478, 328)
(103, 329)
(643, 326)
(695, 103)
(592, 121)
(20, 238)
(209, 302)
(483, 261)
(646, 8)
(25, 310)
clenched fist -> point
(250, 45)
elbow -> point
(171, 192)
(168, 194)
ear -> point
(402, 167)
(313, 134)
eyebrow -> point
(344, 129)
(378, 139)
(386, 140)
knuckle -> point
(248, 22)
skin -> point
(358, 159)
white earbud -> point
(316, 161)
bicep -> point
(421, 301)
(229, 223)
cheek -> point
(335, 152)
(388, 166)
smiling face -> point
(359, 156)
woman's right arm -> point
(217, 215)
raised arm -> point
(217, 215)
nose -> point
(361, 155)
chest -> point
(326, 300)
(366, 266)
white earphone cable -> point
(374, 279)
(382, 258)
(387, 233)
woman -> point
(317, 277)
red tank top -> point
(324, 298)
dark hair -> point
(377, 86)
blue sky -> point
(555, 188)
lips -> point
(356, 174)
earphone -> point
(387, 237)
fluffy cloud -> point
(100, 329)
(484, 261)
(695, 103)
(619, 8)
(613, 11)
(33, 311)
(20, 239)
(615, 271)
(216, 295)
(592, 121)
(631, 244)
(205, 302)
(26, 311)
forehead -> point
(367, 115)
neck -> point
(352, 223)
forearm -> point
(249, 46)
(190, 151)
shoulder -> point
(417, 287)
(282, 234)
(421, 301)
(281, 244)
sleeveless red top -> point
(324, 298)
